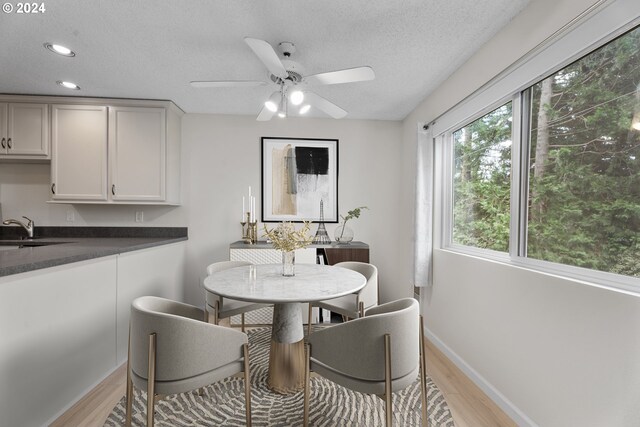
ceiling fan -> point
(289, 76)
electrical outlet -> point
(71, 216)
(139, 216)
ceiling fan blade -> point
(322, 104)
(349, 75)
(228, 83)
(265, 115)
(268, 56)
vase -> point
(343, 234)
(288, 263)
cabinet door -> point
(79, 147)
(137, 153)
(28, 130)
(3, 128)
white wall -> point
(222, 158)
(550, 351)
(24, 190)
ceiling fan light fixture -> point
(305, 108)
(273, 101)
(296, 97)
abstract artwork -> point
(298, 173)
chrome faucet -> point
(28, 226)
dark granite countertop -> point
(54, 246)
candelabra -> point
(249, 230)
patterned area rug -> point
(222, 403)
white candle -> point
(243, 211)
(249, 194)
(253, 209)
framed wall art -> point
(298, 173)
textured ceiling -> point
(152, 49)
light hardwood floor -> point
(469, 405)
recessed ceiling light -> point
(59, 49)
(68, 85)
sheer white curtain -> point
(423, 237)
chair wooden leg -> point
(309, 324)
(129, 398)
(361, 309)
(247, 383)
(306, 385)
(242, 327)
(216, 317)
(423, 374)
(151, 379)
(206, 313)
(387, 380)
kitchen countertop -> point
(52, 251)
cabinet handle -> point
(4, 144)
(9, 143)
(113, 189)
(53, 188)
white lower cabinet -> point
(64, 329)
(157, 271)
(58, 338)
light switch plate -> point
(139, 216)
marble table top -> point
(312, 282)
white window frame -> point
(447, 202)
(604, 22)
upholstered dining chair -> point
(353, 305)
(227, 307)
(379, 354)
(171, 350)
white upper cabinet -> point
(79, 151)
(24, 131)
(137, 153)
(115, 154)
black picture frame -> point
(296, 174)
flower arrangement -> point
(286, 238)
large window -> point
(571, 178)
(482, 171)
(584, 169)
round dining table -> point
(265, 283)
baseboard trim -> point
(498, 398)
(80, 396)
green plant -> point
(286, 238)
(353, 213)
